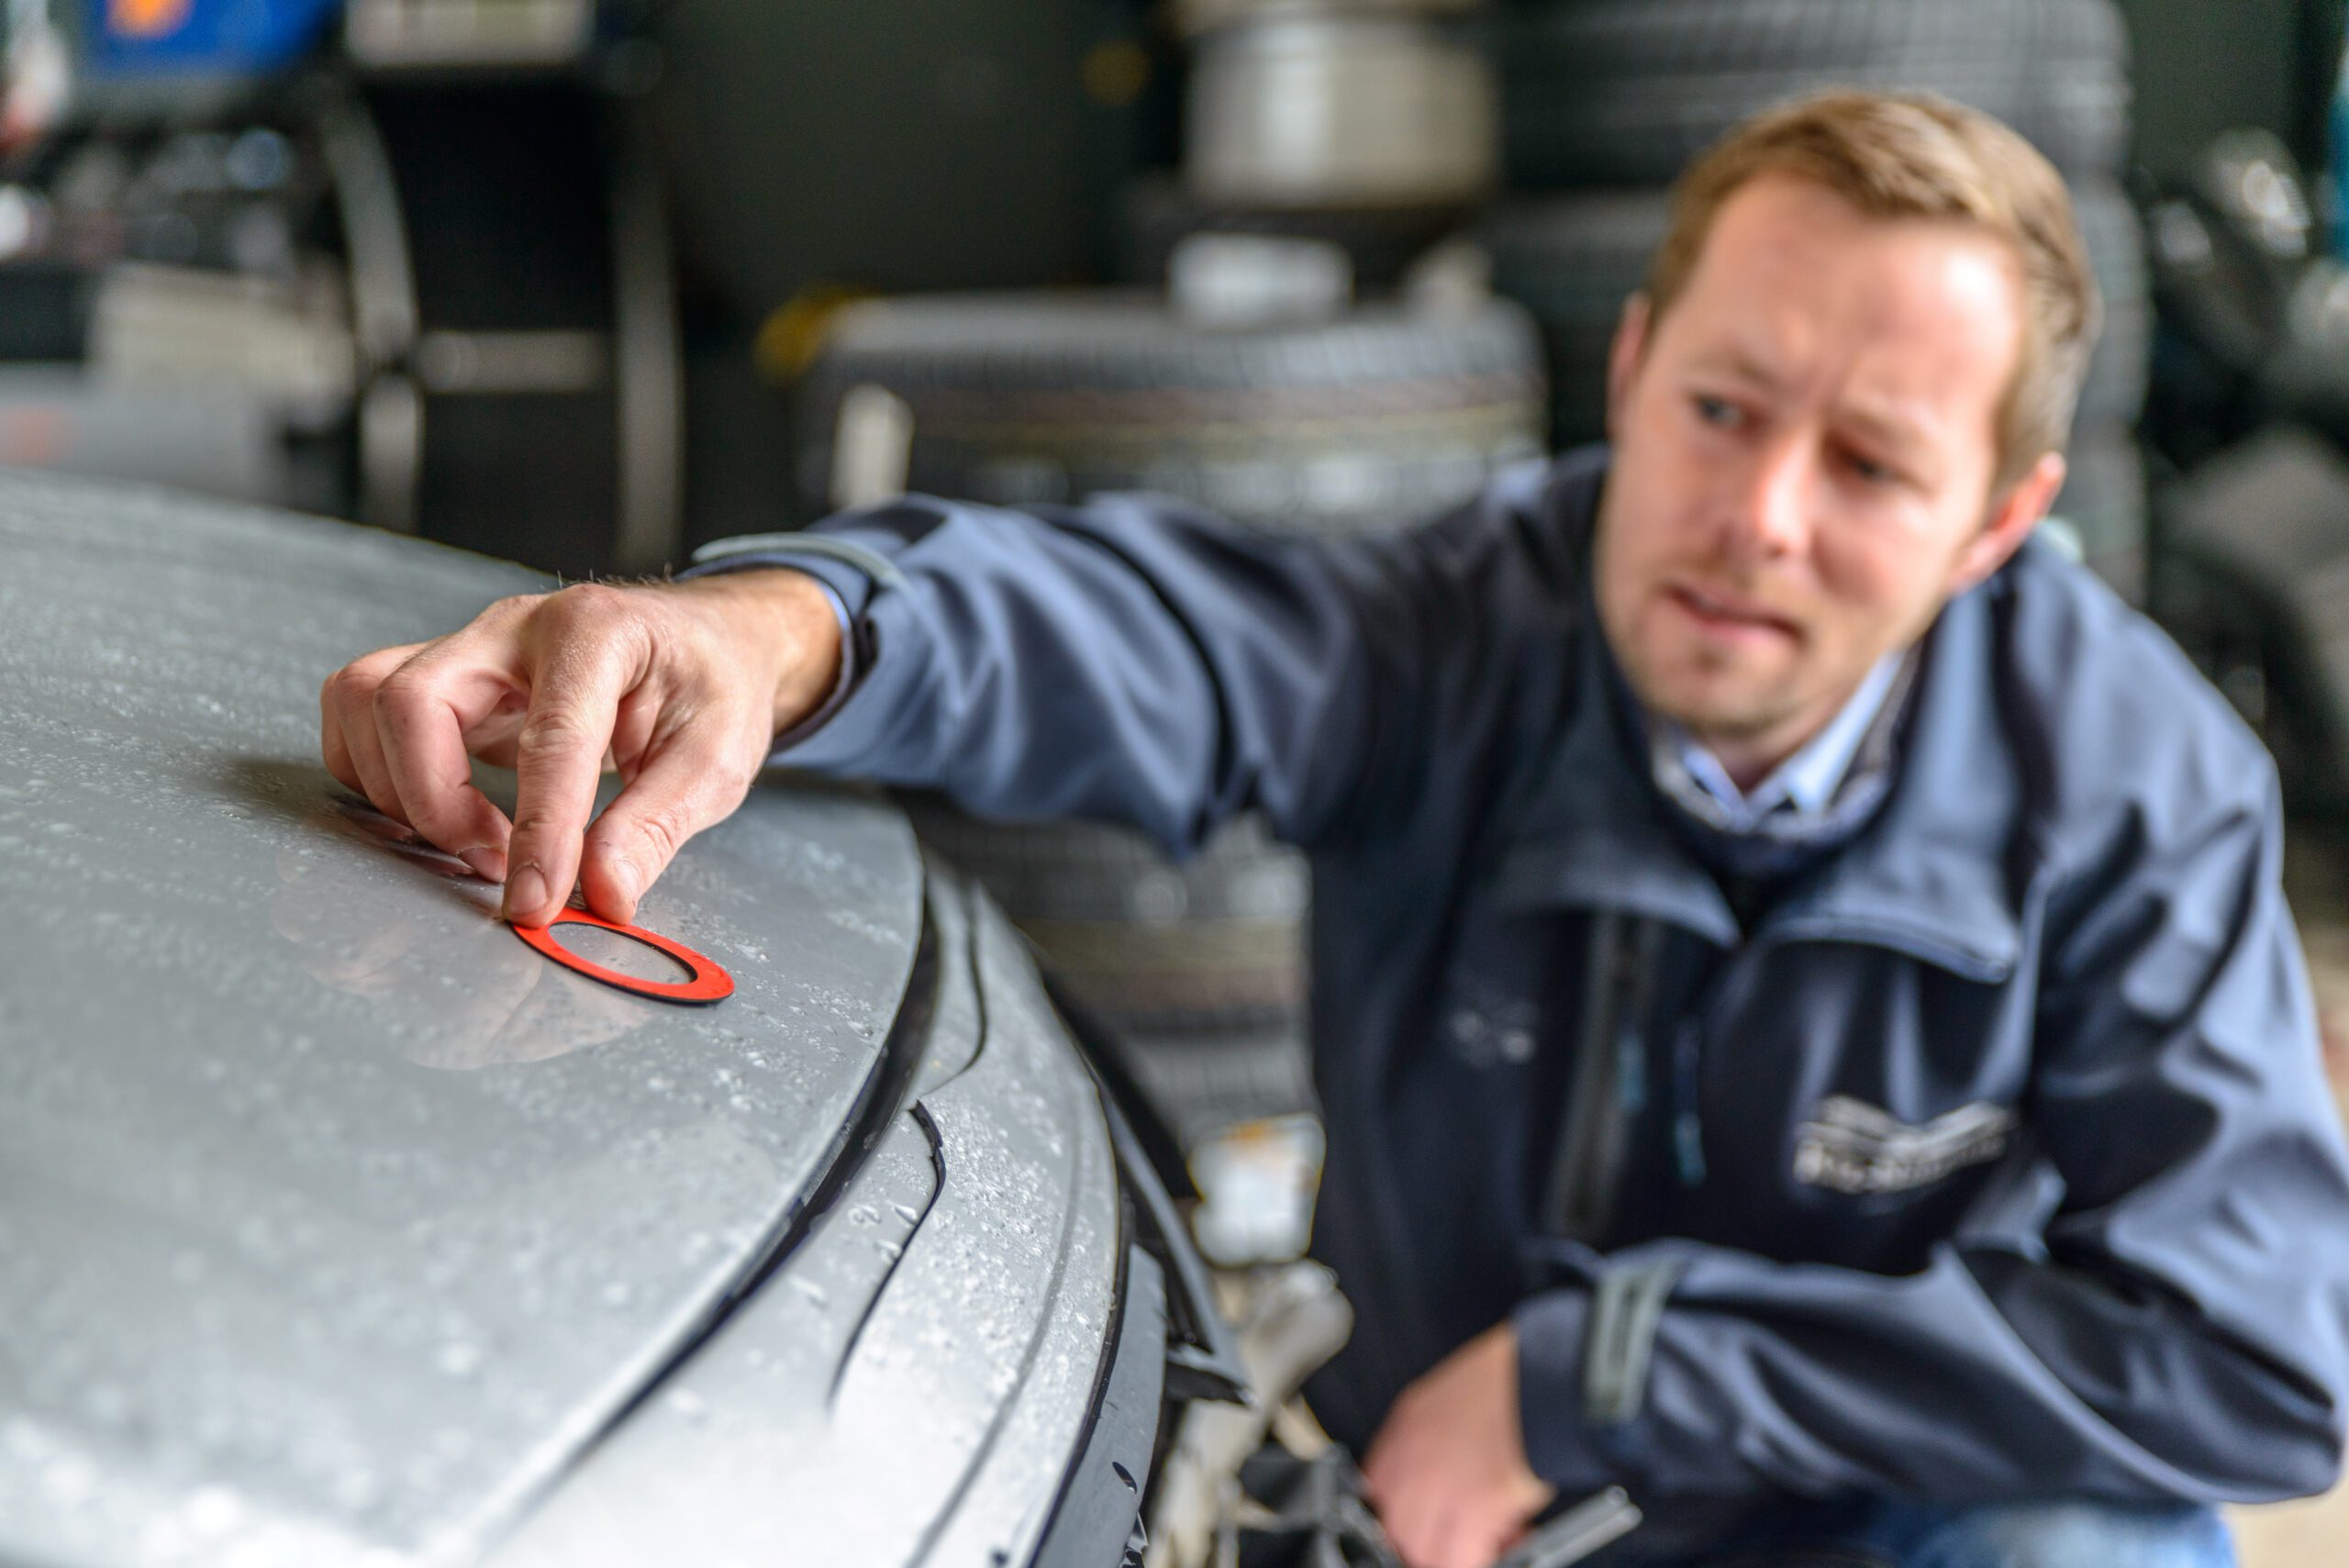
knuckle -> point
(537, 825)
(347, 687)
(663, 833)
(647, 843)
(434, 824)
(354, 686)
(369, 668)
(398, 694)
(731, 777)
(586, 603)
(557, 732)
(588, 628)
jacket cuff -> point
(850, 575)
(852, 571)
(1551, 1329)
(1582, 1371)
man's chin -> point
(1734, 729)
(1717, 711)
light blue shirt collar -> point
(1805, 782)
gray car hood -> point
(323, 1201)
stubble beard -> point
(1710, 709)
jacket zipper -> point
(1607, 1084)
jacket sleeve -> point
(1135, 660)
(2177, 1333)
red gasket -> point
(710, 982)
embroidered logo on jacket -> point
(1851, 1147)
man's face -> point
(1803, 453)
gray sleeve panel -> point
(1625, 1310)
(791, 548)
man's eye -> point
(1869, 471)
(1715, 411)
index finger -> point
(423, 711)
(581, 661)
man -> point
(1806, 1017)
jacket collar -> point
(1592, 835)
(1938, 875)
(1931, 877)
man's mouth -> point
(1728, 615)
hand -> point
(1447, 1473)
(683, 685)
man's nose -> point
(1771, 518)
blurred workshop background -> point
(585, 286)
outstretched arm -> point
(1133, 660)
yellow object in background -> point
(793, 334)
(1115, 73)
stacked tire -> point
(1374, 420)
(1603, 102)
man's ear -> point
(2012, 517)
(1623, 361)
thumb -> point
(692, 783)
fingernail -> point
(486, 864)
(525, 891)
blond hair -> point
(1915, 155)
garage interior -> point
(587, 286)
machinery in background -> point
(162, 318)
(2255, 315)
(553, 229)
(2249, 416)
(405, 260)
(2254, 582)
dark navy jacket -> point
(1994, 1160)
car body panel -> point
(336, 1224)
(913, 1388)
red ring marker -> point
(710, 983)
